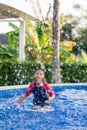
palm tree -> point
(56, 78)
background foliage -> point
(22, 73)
(38, 50)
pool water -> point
(68, 111)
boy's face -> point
(39, 75)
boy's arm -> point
(28, 91)
(50, 99)
(20, 100)
(50, 91)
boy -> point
(43, 94)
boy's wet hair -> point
(39, 69)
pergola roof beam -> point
(10, 12)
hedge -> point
(19, 73)
(22, 73)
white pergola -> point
(20, 11)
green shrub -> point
(14, 73)
(74, 73)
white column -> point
(22, 41)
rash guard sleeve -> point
(29, 90)
(48, 88)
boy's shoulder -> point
(32, 84)
(46, 84)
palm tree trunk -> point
(56, 78)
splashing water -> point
(68, 112)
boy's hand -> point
(16, 104)
(51, 98)
(48, 101)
